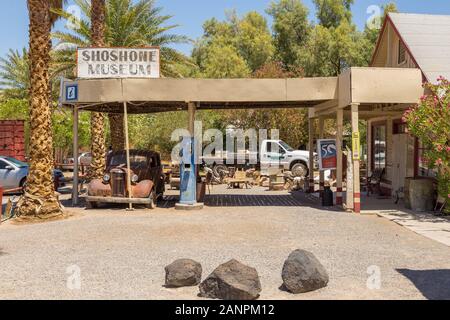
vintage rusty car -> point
(147, 180)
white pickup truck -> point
(277, 153)
(273, 153)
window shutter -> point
(401, 52)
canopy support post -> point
(311, 154)
(339, 167)
(127, 148)
(355, 156)
(75, 157)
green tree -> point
(234, 47)
(255, 40)
(331, 13)
(329, 50)
(14, 108)
(224, 62)
(62, 124)
(154, 131)
(291, 29)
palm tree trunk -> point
(117, 131)
(39, 198)
(98, 149)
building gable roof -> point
(427, 38)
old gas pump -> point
(188, 174)
(188, 167)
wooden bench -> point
(374, 180)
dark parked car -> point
(147, 180)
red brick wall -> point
(12, 139)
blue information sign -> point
(72, 92)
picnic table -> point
(240, 178)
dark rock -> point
(183, 273)
(302, 272)
(232, 281)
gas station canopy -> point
(356, 92)
(355, 85)
(165, 94)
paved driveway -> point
(121, 255)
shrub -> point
(430, 122)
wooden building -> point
(406, 41)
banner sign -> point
(104, 63)
(327, 151)
(356, 146)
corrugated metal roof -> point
(428, 39)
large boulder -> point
(232, 281)
(302, 272)
(183, 273)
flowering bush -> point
(430, 122)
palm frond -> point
(15, 73)
(128, 24)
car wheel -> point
(299, 170)
(23, 184)
(153, 199)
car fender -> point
(142, 189)
(97, 188)
(21, 174)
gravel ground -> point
(121, 255)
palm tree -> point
(128, 24)
(15, 74)
(98, 149)
(39, 197)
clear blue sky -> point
(190, 15)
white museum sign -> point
(103, 63)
